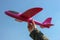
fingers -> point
(29, 25)
(33, 23)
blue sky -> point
(12, 30)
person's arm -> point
(36, 35)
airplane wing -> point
(31, 12)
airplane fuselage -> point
(23, 18)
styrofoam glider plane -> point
(26, 16)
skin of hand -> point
(31, 26)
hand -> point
(31, 26)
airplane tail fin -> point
(47, 23)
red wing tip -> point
(39, 8)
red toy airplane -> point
(26, 16)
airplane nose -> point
(11, 14)
(14, 12)
(6, 12)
